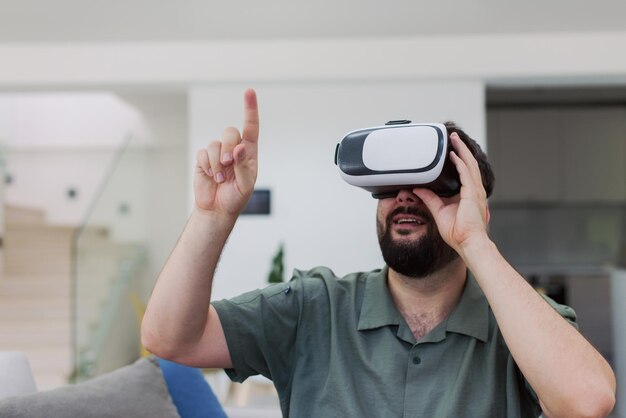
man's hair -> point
(486, 172)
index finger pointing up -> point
(250, 117)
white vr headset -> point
(400, 155)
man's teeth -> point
(410, 221)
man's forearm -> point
(569, 376)
(177, 312)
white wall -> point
(61, 140)
(320, 219)
(42, 176)
(166, 204)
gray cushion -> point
(136, 391)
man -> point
(419, 338)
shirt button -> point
(417, 360)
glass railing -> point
(108, 261)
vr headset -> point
(400, 155)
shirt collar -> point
(377, 308)
(470, 317)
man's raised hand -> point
(460, 219)
(226, 170)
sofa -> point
(150, 387)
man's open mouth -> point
(408, 220)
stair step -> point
(19, 335)
(37, 289)
(17, 214)
(18, 338)
(30, 277)
(41, 251)
(50, 380)
(51, 290)
(26, 326)
(24, 265)
(34, 346)
(37, 227)
(54, 312)
(52, 358)
(40, 302)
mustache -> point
(408, 210)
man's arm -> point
(179, 323)
(569, 376)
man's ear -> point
(488, 214)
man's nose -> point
(406, 196)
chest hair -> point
(421, 324)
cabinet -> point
(524, 149)
(575, 154)
(594, 151)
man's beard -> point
(419, 258)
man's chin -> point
(408, 234)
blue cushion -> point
(190, 391)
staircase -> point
(35, 294)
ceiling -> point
(201, 20)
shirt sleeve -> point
(565, 311)
(260, 329)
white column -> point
(618, 301)
(2, 188)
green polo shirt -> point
(338, 347)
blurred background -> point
(104, 104)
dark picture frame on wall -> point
(259, 203)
